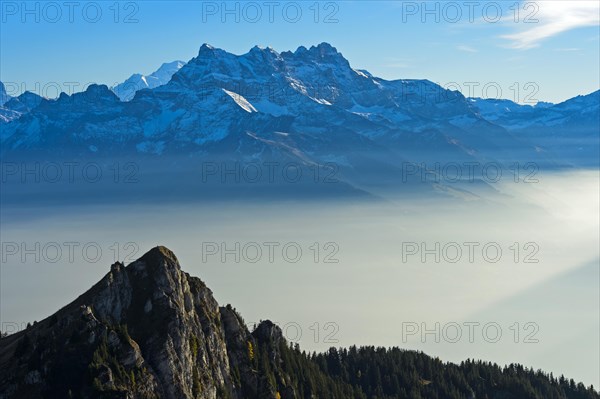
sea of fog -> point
(509, 276)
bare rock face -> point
(148, 330)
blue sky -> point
(546, 51)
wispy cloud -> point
(466, 49)
(553, 18)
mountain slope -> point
(150, 330)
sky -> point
(519, 50)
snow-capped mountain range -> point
(309, 105)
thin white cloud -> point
(466, 49)
(553, 18)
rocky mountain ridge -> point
(148, 330)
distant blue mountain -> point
(577, 111)
(568, 131)
(126, 90)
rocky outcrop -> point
(148, 330)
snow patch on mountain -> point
(268, 107)
(241, 101)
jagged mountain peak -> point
(320, 53)
(99, 89)
(159, 253)
(261, 49)
(321, 48)
(208, 50)
(324, 47)
(264, 53)
(160, 258)
(27, 95)
(96, 94)
(25, 102)
(206, 46)
(92, 92)
(300, 50)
